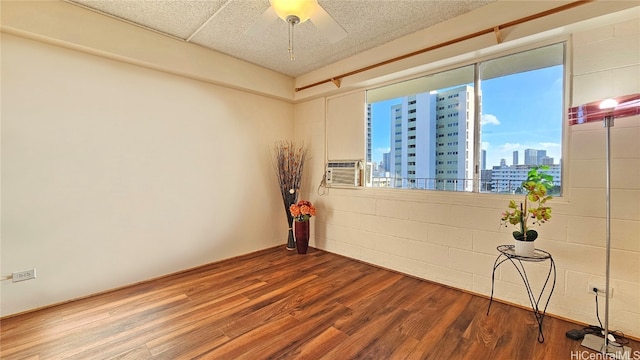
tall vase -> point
(291, 243)
(302, 236)
(288, 200)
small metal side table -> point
(507, 253)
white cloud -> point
(488, 119)
(511, 147)
(548, 145)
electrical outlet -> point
(23, 275)
(600, 289)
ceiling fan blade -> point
(262, 23)
(327, 26)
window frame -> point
(491, 53)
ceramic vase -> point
(524, 248)
(302, 236)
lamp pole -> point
(586, 113)
(608, 123)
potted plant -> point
(301, 213)
(532, 211)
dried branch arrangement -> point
(289, 160)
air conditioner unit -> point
(343, 173)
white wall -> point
(71, 26)
(451, 238)
(114, 173)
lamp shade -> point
(621, 106)
(303, 9)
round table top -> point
(509, 251)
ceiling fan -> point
(295, 12)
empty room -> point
(319, 179)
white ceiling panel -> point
(222, 25)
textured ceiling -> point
(222, 25)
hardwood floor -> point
(281, 305)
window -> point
(516, 123)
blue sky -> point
(521, 111)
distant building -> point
(534, 157)
(530, 157)
(507, 179)
(386, 161)
(545, 160)
(486, 184)
(429, 140)
(429, 148)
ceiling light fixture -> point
(294, 12)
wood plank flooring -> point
(276, 304)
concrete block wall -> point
(451, 238)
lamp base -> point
(596, 343)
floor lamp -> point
(606, 110)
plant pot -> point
(302, 236)
(524, 248)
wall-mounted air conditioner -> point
(343, 173)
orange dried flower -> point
(302, 211)
(295, 210)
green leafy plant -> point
(534, 209)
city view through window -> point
(426, 139)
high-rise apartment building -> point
(432, 140)
(515, 158)
(534, 157)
